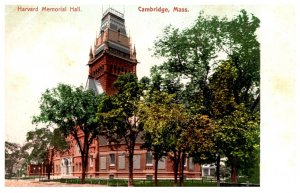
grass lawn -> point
(141, 183)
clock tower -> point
(112, 54)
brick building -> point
(111, 56)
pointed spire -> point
(91, 53)
(134, 53)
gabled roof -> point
(94, 85)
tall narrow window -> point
(148, 158)
(162, 163)
(121, 162)
(102, 162)
(185, 162)
(191, 164)
(112, 160)
(137, 162)
(77, 149)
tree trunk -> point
(233, 170)
(155, 169)
(130, 160)
(84, 158)
(48, 175)
(175, 166)
(83, 167)
(182, 169)
(48, 168)
(218, 170)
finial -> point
(134, 53)
(91, 53)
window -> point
(205, 172)
(148, 158)
(76, 167)
(121, 163)
(208, 170)
(191, 164)
(77, 149)
(91, 161)
(185, 162)
(102, 162)
(212, 171)
(136, 161)
(162, 163)
(112, 160)
(80, 166)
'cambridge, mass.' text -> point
(162, 9)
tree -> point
(72, 110)
(239, 134)
(14, 155)
(238, 127)
(164, 120)
(118, 118)
(154, 112)
(189, 55)
(239, 42)
(43, 143)
(194, 54)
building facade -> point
(112, 55)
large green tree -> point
(117, 116)
(72, 110)
(163, 122)
(237, 126)
(165, 119)
(42, 143)
(193, 55)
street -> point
(32, 183)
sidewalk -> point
(32, 183)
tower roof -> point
(113, 11)
(94, 85)
(113, 36)
(113, 19)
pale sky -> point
(43, 49)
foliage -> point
(40, 141)
(117, 115)
(218, 61)
(14, 157)
(238, 127)
(72, 110)
(201, 144)
(41, 145)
